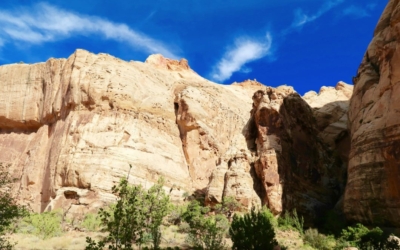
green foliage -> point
(44, 225)
(10, 211)
(184, 227)
(91, 222)
(255, 230)
(352, 235)
(175, 215)
(135, 218)
(318, 241)
(229, 205)
(156, 206)
(195, 213)
(206, 232)
(363, 238)
(291, 221)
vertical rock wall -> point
(373, 187)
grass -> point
(69, 240)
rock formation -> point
(373, 187)
(70, 128)
(297, 168)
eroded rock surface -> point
(297, 168)
(373, 188)
(69, 128)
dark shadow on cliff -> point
(313, 173)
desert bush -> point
(92, 222)
(45, 225)
(135, 218)
(318, 241)
(229, 205)
(184, 227)
(175, 215)
(10, 211)
(291, 221)
(254, 230)
(206, 231)
(363, 238)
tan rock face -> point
(71, 127)
(373, 186)
(330, 107)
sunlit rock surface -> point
(70, 128)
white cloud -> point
(356, 12)
(46, 23)
(301, 18)
(244, 51)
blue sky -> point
(302, 43)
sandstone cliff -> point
(69, 128)
(373, 187)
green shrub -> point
(92, 222)
(184, 227)
(318, 241)
(254, 230)
(135, 218)
(175, 215)
(10, 211)
(291, 221)
(44, 225)
(363, 238)
(229, 205)
(206, 232)
(353, 235)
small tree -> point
(135, 218)
(9, 209)
(156, 206)
(254, 230)
(206, 231)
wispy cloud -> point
(301, 18)
(244, 51)
(47, 23)
(248, 50)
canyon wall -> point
(373, 187)
(70, 128)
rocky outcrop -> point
(330, 107)
(373, 187)
(297, 169)
(70, 128)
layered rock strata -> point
(70, 128)
(373, 187)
